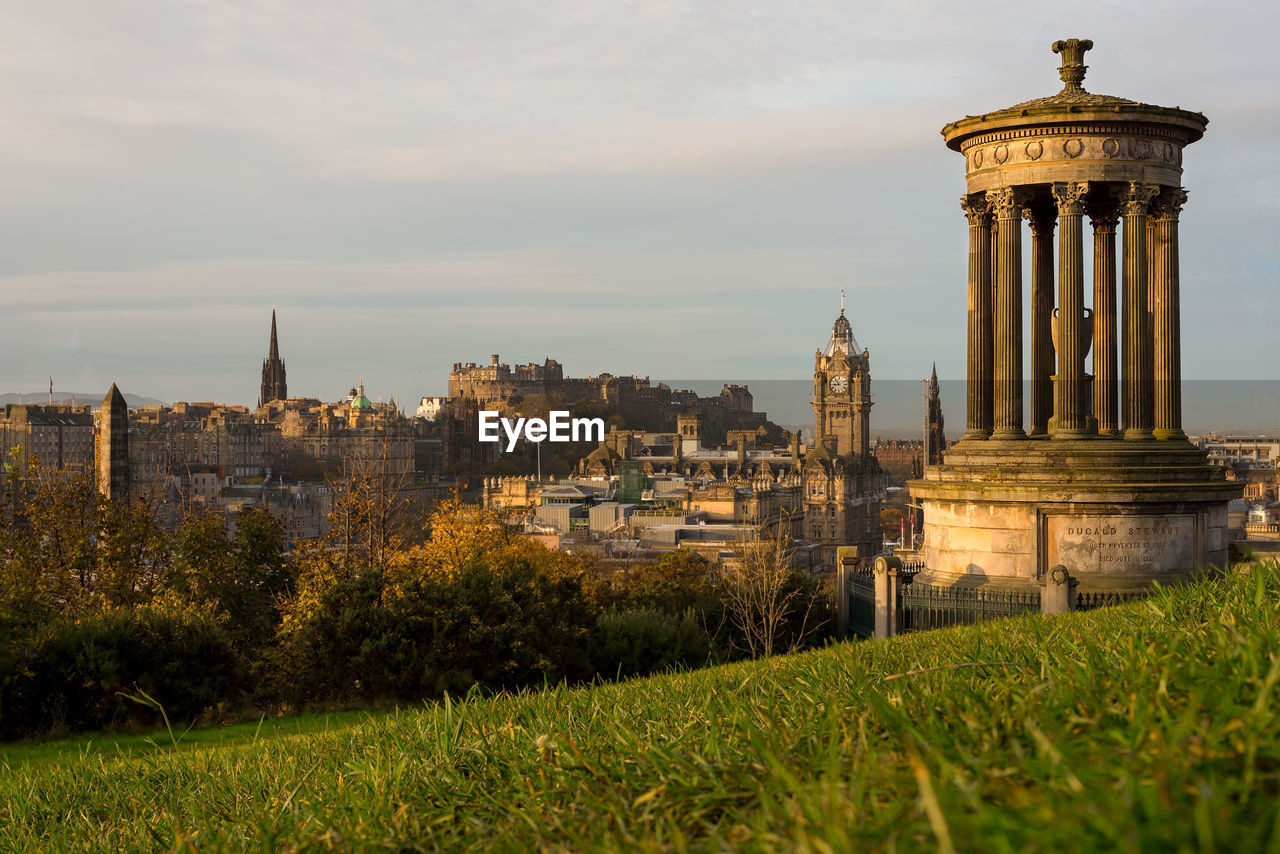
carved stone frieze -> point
(1075, 147)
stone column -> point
(1043, 218)
(1007, 203)
(978, 376)
(1103, 216)
(1165, 312)
(1072, 417)
(1137, 410)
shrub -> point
(674, 583)
(503, 617)
(71, 674)
(635, 642)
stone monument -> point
(1102, 480)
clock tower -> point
(843, 486)
(842, 392)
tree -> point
(369, 522)
(762, 595)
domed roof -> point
(360, 401)
(841, 335)
(604, 453)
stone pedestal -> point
(1118, 515)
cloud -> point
(631, 185)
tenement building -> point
(1100, 478)
(58, 435)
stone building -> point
(177, 441)
(1102, 480)
(58, 435)
(351, 433)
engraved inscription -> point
(1121, 544)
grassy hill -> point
(1154, 726)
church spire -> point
(273, 377)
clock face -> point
(839, 384)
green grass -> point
(1152, 727)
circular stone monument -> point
(1102, 479)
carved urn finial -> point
(1073, 67)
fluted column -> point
(1165, 313)
(978, 376)
(1072, 419)
(1104, 217)
(1006, 204)
(1137, 410)
(1043, 218)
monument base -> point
(1119, 515)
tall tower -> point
(842, 391)
(111, 447)
(935, 440)
(273, 383)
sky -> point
(674, 190)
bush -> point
(632, 643)
(502, 618)
(71, 674)
(674, 583)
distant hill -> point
(77, 397)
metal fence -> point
(921, 606)
(925, 606)
(1100, 599)
(862, 604)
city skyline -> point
(665, 192)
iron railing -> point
(926, 606)
(862, 603)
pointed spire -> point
(274, 350)
(842, 301)
(933, 380)
(114, 398)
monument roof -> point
(1074, 104)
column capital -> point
(1104, 212)
(1043, 219)
(1070, 196)
(1168, 204)
(1136, 196)
(975, 208)
(1007, 202)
